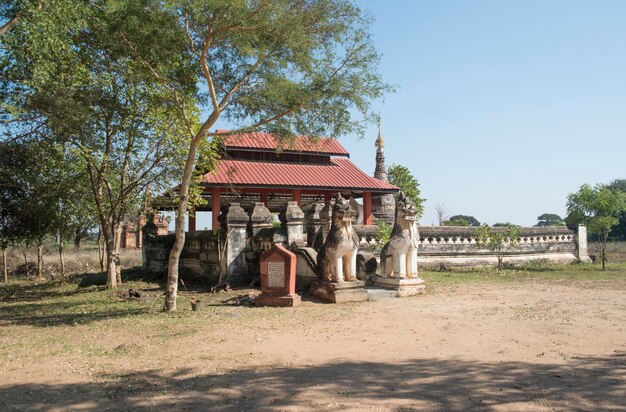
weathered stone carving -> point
(358, 210)
(399, 255)
(313, 222)
(326, 217)
(236, 224)
(260, 218)
(336, 261)
(292, 218)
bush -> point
(383, 233)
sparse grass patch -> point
(529, 272)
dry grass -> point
(76, 262)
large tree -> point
(69, 79)
(461, 220)
(402, 177)
(549, 219)
(619, 230)
(287, 67)
(597, 207)
(30, 196)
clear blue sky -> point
(503, 107)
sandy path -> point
(524, 346)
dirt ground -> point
(523, 346)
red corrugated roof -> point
(339, 173)
(258, 140)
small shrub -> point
(383, 233)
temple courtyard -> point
(539, 339)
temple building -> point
(256, 167)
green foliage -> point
(619, 230)
(383, 232)
(461, 220)
(549, 219)
(401, 176)
(497, 240)
(286, 67)
(24, 193)
(70, 80)
(597, 207)
(618, 184)
(507, 224)
(40, 194)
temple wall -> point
(456, 246)
(250, 234)
(199, 259)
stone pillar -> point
(292, 218)
(367, 208)
(384, 208)
(313, 222)
(358, 210)
(192, 221)
(260, 218)
(581, 244)
(236, 225)
(215, 208)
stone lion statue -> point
(336, 260)
(398, 258)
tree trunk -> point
(116, 252)
(603, 251)
(109, 250)
(102, 255)
(25, 261)
(39, 260)
(61, 258)
(78, 237)
(179, 239)
(4, 266)
(111, 264)
(100, 251)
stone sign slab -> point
(278, 278)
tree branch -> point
(7, 26)
(251, 70)
(189, 38)
(206, 72)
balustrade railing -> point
(450, 235)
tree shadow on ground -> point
(134, 274)
(66, 313)
(421, 384)
(83, 283)
(78, 299)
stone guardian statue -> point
(398, 259)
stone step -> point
(375, 293)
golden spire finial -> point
(380, 142)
